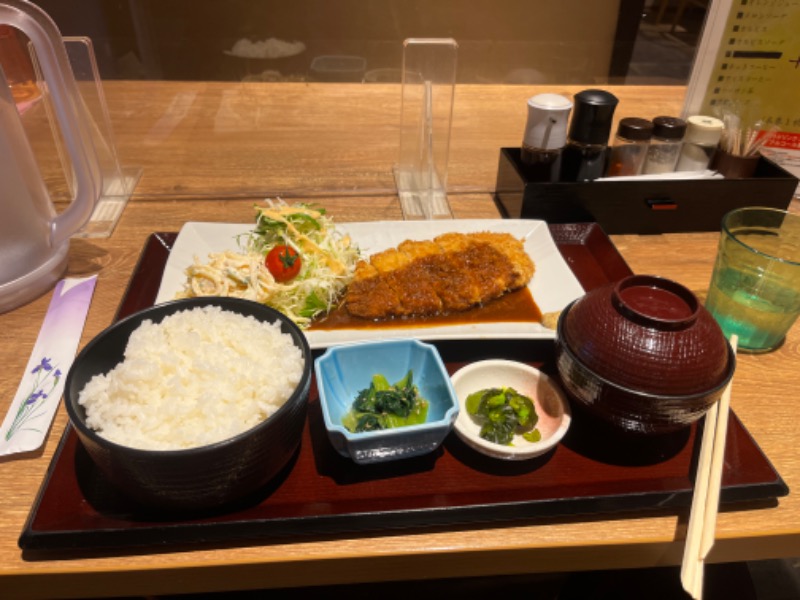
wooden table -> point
(335, 144)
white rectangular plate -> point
(553, 285)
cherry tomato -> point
(283, 262)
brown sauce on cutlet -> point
(515, 307)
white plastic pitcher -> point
(34, 239)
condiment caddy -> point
(587, 188)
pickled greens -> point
(503, 413)
(386, 406)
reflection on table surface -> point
(309, 138)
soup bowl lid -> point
(647, 333)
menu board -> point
(748, 65)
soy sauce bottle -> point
(544, 137)
(585, 155)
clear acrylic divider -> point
(428, 91)
(118, 182)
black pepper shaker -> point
(545, 136)
(584, 157)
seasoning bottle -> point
(665, 145)
(630, 146)
(584, 156)
(699, 143)
(545, 136)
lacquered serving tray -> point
(593, 472)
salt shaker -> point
(630, 146)
(665, 145)
(545, 136)
(699, 143)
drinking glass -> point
(755, 285)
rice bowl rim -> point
(170, 308)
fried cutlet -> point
(453, 272)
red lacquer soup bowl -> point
(643, 354)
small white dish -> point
(550, 402)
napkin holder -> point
(639, 207)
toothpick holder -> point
(734, 166)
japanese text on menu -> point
(756, 74)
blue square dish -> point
(343, 371)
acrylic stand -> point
(118, 182)
(428, 87)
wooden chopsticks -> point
(705, 502)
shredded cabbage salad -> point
(328, 259)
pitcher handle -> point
(46, 39)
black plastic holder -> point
(639, 207)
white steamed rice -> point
(200, 376)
